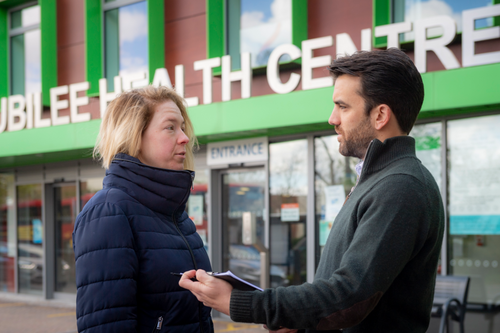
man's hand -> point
(212, 292)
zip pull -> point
(158, 324)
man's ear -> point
(381, 115)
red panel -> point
(185, 43)
(180, 9)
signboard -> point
(238, 151)
(290, 212)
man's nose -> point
(333, 120)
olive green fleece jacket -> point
(378, 268)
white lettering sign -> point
(25, 112)
(238, 151)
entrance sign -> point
(238, 151)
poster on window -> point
(334, 200)
(474, 160)
(195, 209)
(37, 231)
(290, 212)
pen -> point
(180, 274)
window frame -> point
(94, 30)
(382, 15)
(217, 23)
(48, 36)
(17, 32)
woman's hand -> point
(212, 292)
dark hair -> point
(387, 77)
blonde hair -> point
(128, 116)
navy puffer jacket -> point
(127, 240)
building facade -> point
(269, 177)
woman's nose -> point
(183, 138)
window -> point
(197, 204)
(428, 147)
(7, 233)
(474, 204)
(288, 211)
(412, 10)
(126, 41)
(88, 188)
(334, 177)
(30, 260)
(395, 11)
(25, 56)
(254, 26)
(258, 27)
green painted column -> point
(48, 27)
(93, 45)
(156, 36)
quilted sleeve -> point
(106, 271)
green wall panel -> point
(381, 16)
(93, 45)
(4, 54)
(156, 35)
(48, 27)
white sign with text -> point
(238, 151)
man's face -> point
(353, 126)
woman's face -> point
(164, 141)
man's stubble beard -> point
(356, 141)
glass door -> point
(65, 211)
(243, 222)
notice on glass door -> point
(474, 177)
(290, 212)
(195, 209)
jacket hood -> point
(161, 190)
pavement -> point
(29, 314)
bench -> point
(450, 300)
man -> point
(378, 267)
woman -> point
(132, 234)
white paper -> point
(334, 199)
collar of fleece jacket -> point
(380, 154)
(161, 190)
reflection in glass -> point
(7, 233)
(258, 27)
(334, 176)
(428, 147)
(243, 194)
(64, 217)
(30, 238)
(413, 10)
(126, 41)
(33, 82)
(88, 188)
(25, 17)
(474, 204)
(197, 204)
(288, 208)
(25, 53)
